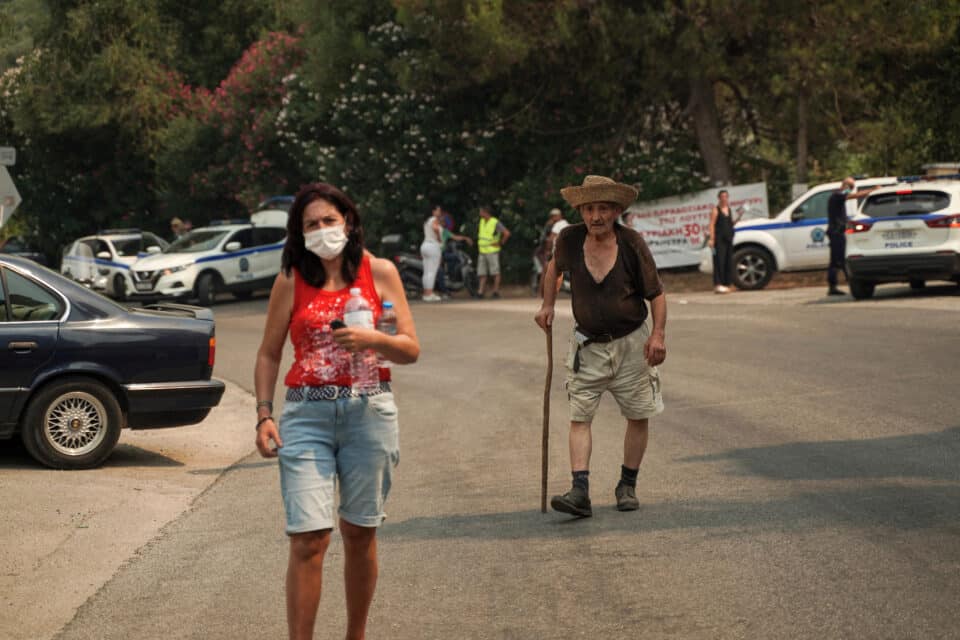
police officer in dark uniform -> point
(837, 229)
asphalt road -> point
(802, 483)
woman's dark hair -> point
(721, 192)
(295, 253)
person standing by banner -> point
(721, 242)
(613, 348)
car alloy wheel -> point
(75, 424)
(752, 267)
(72, 423)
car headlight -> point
(182, 267)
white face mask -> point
(327, 242)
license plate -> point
(144, 286)
(899, 234)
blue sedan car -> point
(76, 367)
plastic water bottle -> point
(364, 373)
(388, 325)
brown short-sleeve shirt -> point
(615, 305)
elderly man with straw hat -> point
(614, 347)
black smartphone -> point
(337, 324)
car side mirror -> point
(104, 255)
(232, 246)
(153, 249)
(797, 215)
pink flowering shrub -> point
(221, 147)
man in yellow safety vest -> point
(490, 238)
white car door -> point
(236, 267)
(805, 235)
(266, 260)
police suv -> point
(794, 240)
(909, 232)
(102, 262)
(237, 257)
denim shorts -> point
(350, 444)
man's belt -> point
(584, 339)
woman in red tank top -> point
(330, 437)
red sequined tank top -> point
(318, 360)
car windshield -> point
(905, 203)
(127, 247)
(199, 240)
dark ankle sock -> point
(582, 479)
(629, 476)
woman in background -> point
(721, 242)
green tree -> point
(20, 23)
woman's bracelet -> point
(265, 403)
(262, 420)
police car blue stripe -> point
(99, 261)
(244, 252)
(782, 225)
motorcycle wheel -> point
(412, 283)
(472, 282)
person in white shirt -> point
(431, 250)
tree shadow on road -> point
(896, 506)
(932, 456)
(873, 498)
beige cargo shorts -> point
(618, 367)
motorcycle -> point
(456, 268)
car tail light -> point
(904, 192)
(946, 222)
(212, 351)
(858, 227)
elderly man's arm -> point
(655, 349)
(551, 285)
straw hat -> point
(599, 189)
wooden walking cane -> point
(546, 422)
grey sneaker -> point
(576, 502)
(626, 498)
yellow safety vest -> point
(488, 236)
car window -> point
(127, 247)
(813, 207)
(150, 240)
(196, 241)
(95, 245)
(268, 235)
(243, 236)
(887, 205)
(30, 301)
(13, 245)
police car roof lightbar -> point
(117, 232)
(950, 176)
(220, 223)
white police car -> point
(237, 257)
(794, 240)
(906, 233)
(102, 262)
